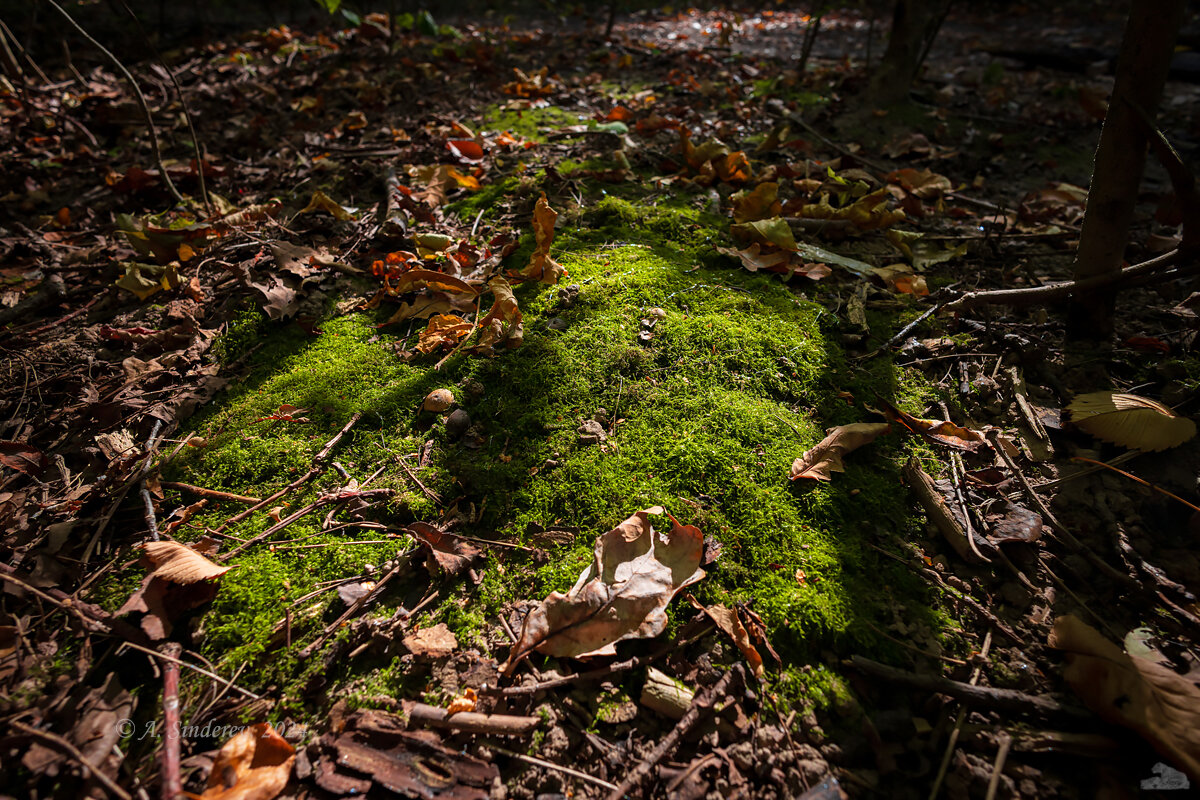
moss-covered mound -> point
(706, 382)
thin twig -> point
(187, 114)
(172, 782)
(1061, 291)
(703, 702)
(137, 91)
(412, 476)
(211, 494)
(538, 762)
(958, 722)
(62, 744)
(206, 673)
(318, 465)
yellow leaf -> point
(1130, 421)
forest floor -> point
(515, 413)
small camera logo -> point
(1166, 777)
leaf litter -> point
(791, 214)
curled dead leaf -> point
(254, 765)
(826, 457)
(623, 595)
(178, 563)
(727, 620)
(541, 266)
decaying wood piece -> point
(702, 703)
(471, 722)
(938, 512)
(662, 694)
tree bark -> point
(914, 24)
(1142, 67)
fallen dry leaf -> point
(434, 642)
(727, 620)
(254, 765)
(541, 266)
(179, 580)
(943, 432)
(1130, 421)
(622, 595)
(463, 703)
(502, 325)
(178, 563)
(442, 330)
(444, 551)
(826, 457)
(1160, 705)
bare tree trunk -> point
(915, 23)
(1142, 67)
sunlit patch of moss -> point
(529, 123)
(734, 379)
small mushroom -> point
(457, 424)
(438, 401)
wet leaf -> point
(1130, 421)
(921, 253)
(826, 458)
(1139, 693)
(254, 765)
(623, 595)
(467, 151)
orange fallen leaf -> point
(541, 266)
(464, 702)
(727, 620)
(254, 765)
(443, 329)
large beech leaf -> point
(826, 457)
(1130, 421)
(622, 595)
(254, 765)
(1160, 705)
(179, 563)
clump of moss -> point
(711, 380)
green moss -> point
(708, 410)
